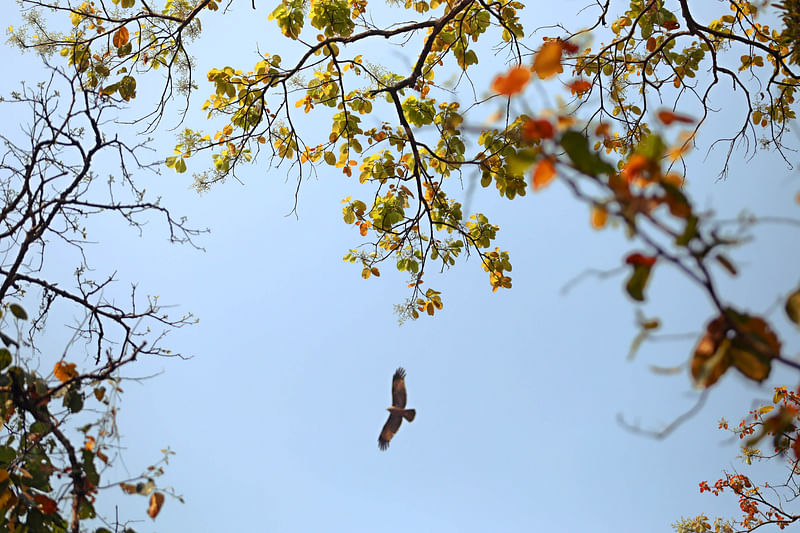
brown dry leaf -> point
(754, 347)
(712, 356)
(156, 502)
(121, 37)
(127, 488)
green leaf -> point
(88, 467)
(652, 147)
(18, 311)
(8, 341)
(73, 400)
(5, 358)
(86, 510)
(793, 307)
(689, 233)
(180, 165)
(7, 454)
(638, 281)
(583, 157)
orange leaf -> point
(671, 24)
(121, 37)
(65, 371)
(534, 130)
(635, 167)
(547, 62)
(579, 86)
(651, 44)
(599, 217)
(156, 502)
(513, 82)
(668, 117)
(227, 130)
(543, 174)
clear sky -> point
(275, 419)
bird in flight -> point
(398, 411)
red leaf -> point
(638, 259)
(46, 505)
(569, 47)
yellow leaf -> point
(547, 62)
(366, 273)
(599, 217)
(766, 409)
(227, 130)
(156, 502)
(7, 499)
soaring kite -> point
(398, 411)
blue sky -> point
(275, 419)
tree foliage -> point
(59, 410)
(628, 110)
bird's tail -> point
(409, 414)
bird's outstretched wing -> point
(399, 388)
(389, 429)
